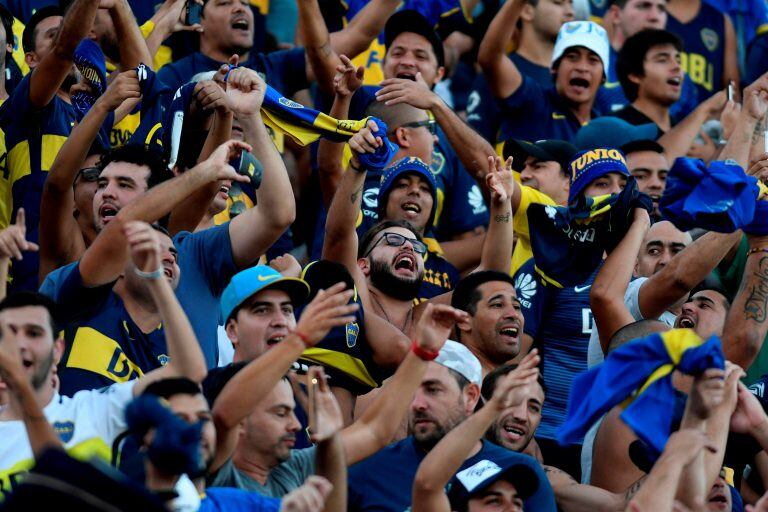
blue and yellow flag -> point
(568, 242)
(719, 198)
(638, 375)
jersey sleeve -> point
(17, 106)
(74, 299)
(209, 252)
(106, 408)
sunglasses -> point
(396, 240)
(89, 174)
(429, 124)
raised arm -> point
(379, 423)
(168, 18)
(503, 76)
(104, 260)
(22, 395)
(747, 321)
(442, 462)
(133, 48)
(48, 75)
(340, 243)
(61, 241)
(747, 131)
(321, 58)
(366, 26)
(471, 148)
(250, 385)
(184, 353)
(606, 297)
(256, 229)
(678, 140)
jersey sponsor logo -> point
(525, 287)
(65, 430)
(475, 199)
(758, 389)
(710, 39)
(352, 332)
(371, 198)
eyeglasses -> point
(429, 124)
(89, 174)
(397, 240)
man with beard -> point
(495, 323)
(392, 254)
(531, 112)
(38, 116)
(88, 422)
(448, 394)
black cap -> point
(642, 145)
(478, 477)
(551, 150)
(409, 20)
(28, 36)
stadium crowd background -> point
(384, 255)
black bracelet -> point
(358, 170)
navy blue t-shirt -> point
(102, 344)
(24, 9)
(206, 263)
(560, 322)
(383, 482)
(534, 112)
(483, 113)
(285, 70)
(703, 58)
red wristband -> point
(302, 337)
(425, 355)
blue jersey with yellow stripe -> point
(33, 138)
(703, 58)
(445, 16)
(103, 345)
(560, 322)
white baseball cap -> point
(588, 34)
(458, 358)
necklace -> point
(386, 316)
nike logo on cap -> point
(266, 278)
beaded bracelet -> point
(756, 250)
(157, 274)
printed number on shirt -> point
(586, 321)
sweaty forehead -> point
(666, 233)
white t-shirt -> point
(632, 301)
(87, 424)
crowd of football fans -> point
(384, 255)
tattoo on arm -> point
(502, 219)
(632, 490)
(356, 194)
(757, 302)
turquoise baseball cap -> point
(252, 280)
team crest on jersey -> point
(438, 162)
(288, 103)
(163, 359)
(710, 39)
(65, 430)
(352, 331)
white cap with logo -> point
(458, 358)
(588, 34)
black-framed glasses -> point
(397, 240)
(428, 123)
(89, 174)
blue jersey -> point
(482, 112)
(750, 19)
(206, 263)
(610, 97)
(704, 56)
(225, 499)
(24, 9)
(383, 482)
(757, 58)
(33, 138)
(560, 322)
(102, 344)
(534, 112)
(284, 70)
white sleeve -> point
(106, 408)
(632, 297)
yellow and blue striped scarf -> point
(638, 375)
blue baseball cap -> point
(613, 132)
(407, 165)
(589, 165)
(252, 280)
(481, 475)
